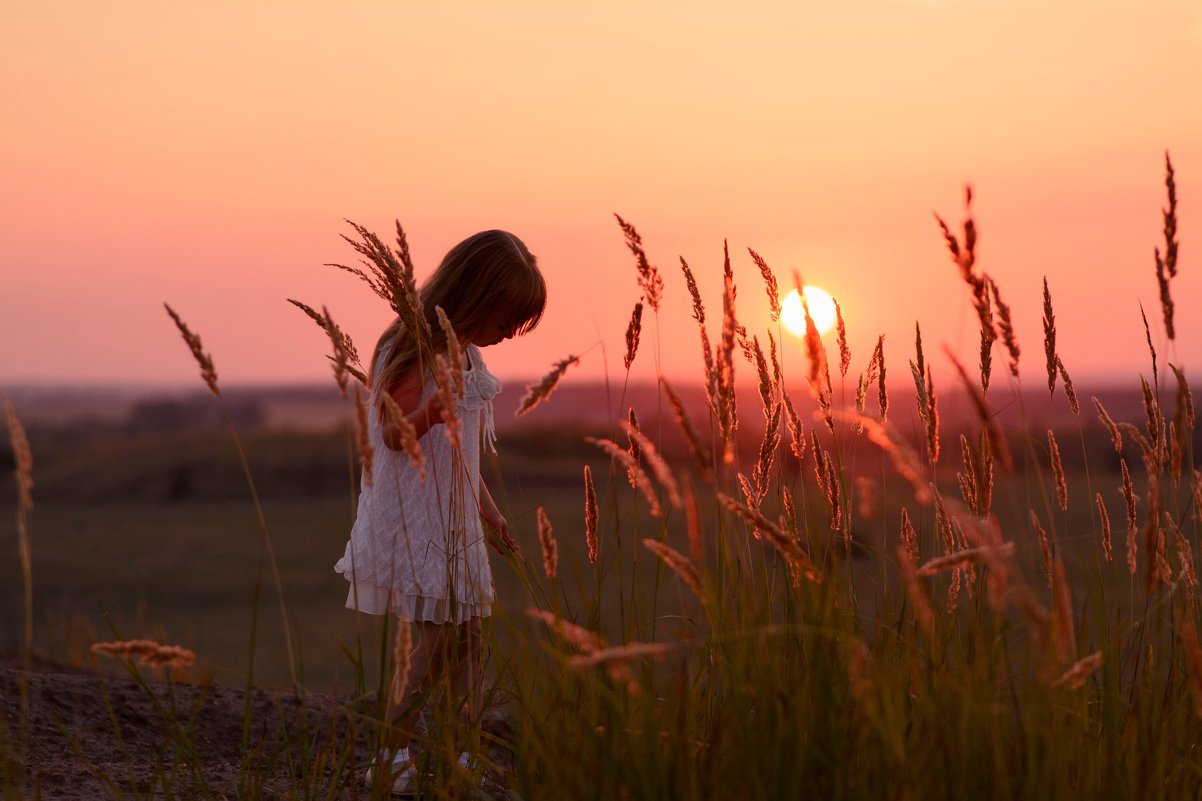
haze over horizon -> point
(206, 156)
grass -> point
(802, 655)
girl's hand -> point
(433, 411)
(500, 527)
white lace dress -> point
(417, 548)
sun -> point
(822, 310)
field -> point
(979, 589)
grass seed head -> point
(633, 332)
(537, 394)
(207, 371)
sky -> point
(207, 155)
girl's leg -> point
(427, 661)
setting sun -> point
(822, 309)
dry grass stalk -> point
(402, 660)
(591, 515)
(968, 479)
(1063, 621)
(928, 407)
(630, 650)
(207, 371)
(724, 364)
(943, 523)
(1006, 328)
(786, 545)
(1196, 490)
(1166, 265)
(1129, 496)
(1049, 337)
(578, 637)
(1105, 518)
(1069, 391)
(750, 497)
(408, 434)
(995, 553)
(953, 592)
(1193, 656)
(642, 482)
(1075, 676)
(1185, 562)
(660, 468)
(985, 414)
(633, 332)
(761, 475)
(1154, 417)
(1058, 472)
(345, 356)
(711, 373)
(632, 445)
(1154, 539)
(924, 614)
(651, 282)
(698, 450)
(834, 497)
(908, 537)
(769, 284)
(546, 539)
(844, 350)
(390, 275)
(1186, 421)
(444, 379)
(960, 559)
(985, 479)
(147, 652)
(678, 563)
(766, 386)
(23, 472)
(454, 350)
(1044, 546)
(537, 394)
(1151, 347)
(1115, 437)
(797, 441)
(905, 461)
(815, 350)
(1175, 453)
(965, 259)
(362, 438)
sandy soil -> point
(90, 736)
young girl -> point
(417, 549)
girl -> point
(417, 546)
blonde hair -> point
(485, 273)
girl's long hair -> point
(487, 273)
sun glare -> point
(822, 309)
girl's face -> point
(498, 328)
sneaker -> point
(401, 769)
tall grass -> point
(840, 609)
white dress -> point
(417, 548)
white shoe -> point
(401, 769)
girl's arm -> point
(496, 521)
(422, 416)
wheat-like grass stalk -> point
(454, 351)
(1185, 560)
(633, 331)
(789, 547)
(678, 563)
(1166, 265)
(1104, 516)
(1128, 491)
(985, 414)
(1006, 328)
(1176, 452)
(445, 381)
(1045, 547)
(885, 437)
(633, 469)
(1154, 417)
(23, 472)
(207, 371)
(537, 394)
(968, 480)
(770, 284)
(408, 434)
(797, 437)
(907, 536)
(1196, 490)
(1063, 601)
(692, 516)
(1058, 472)
(1151, 347)
(1116, 438)
(698, 449)
(627, 651)
(724, 365)
(590, 516)
(147, 652)
(402, 660)
(762, 473)
(1184, 416)
(1069, 391)
(659, 467)
(550, 547)
(362, 438)
(650, 281)
(345, 356)
(1193, 657)
(1082, 669)
(1049, 336)
(578, 637)
(841, 338)
(767, 385)
(960, 559)
(928, 405)
(632, 444)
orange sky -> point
(205, 154)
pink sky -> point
(205, 154)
